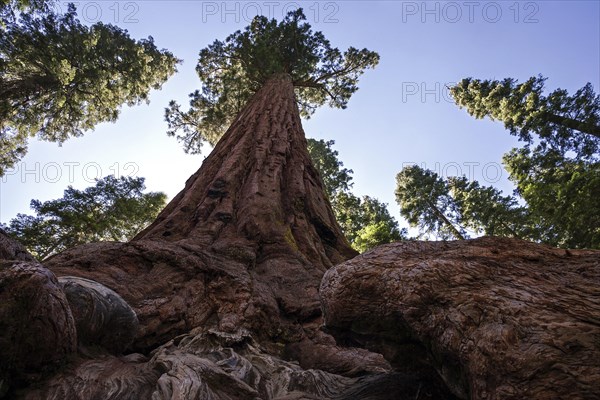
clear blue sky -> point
(401, 113)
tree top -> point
(234, 69)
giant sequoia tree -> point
(234, 69)
(259, 184)
(59, 77)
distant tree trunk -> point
(571, 123)
(446, 221)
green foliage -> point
(348, 213)
(448, 208)
(484, 210)
(234, 69)
(59, 78)
(563, 196)
(114, 209)
(375, 234)
(10, 9)
(561, 122)
(558, 180)
(366, 223)
(325, 159)
(425, 202)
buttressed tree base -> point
(225, 282)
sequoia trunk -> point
(259, 190)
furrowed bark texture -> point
(498, 318)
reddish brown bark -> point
(498, 318)
(37, 329)
(259, 190)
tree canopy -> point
(562, 196)
(234, 69)
(562, 122)
(336, 178)
(114, 209)
(59, 77)
(555, 202)
(556, 173)
(10, 9)
(450, 207)
(366, 222)
(425, 202)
